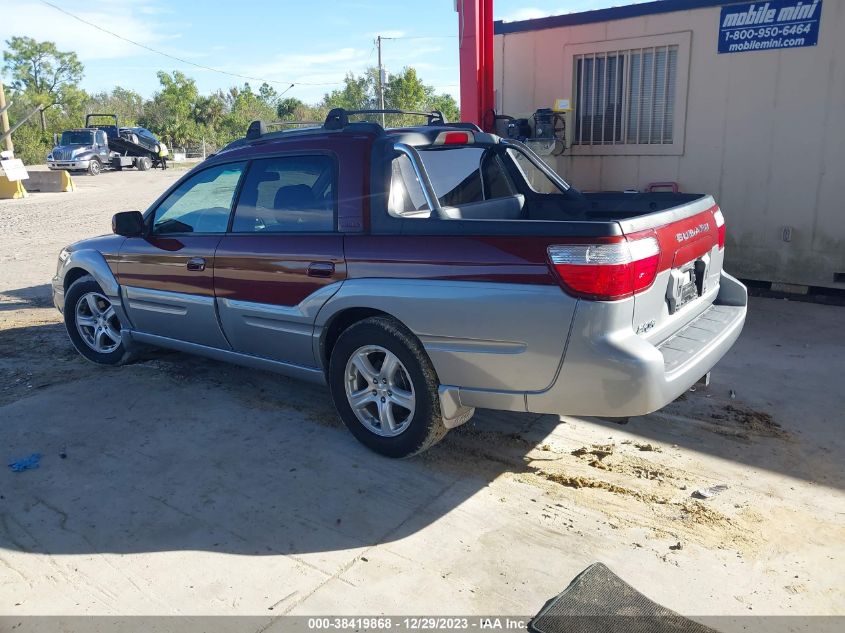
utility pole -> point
(4, 120)
(380, 80)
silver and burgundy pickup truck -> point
(420, 272)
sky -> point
(311, 43)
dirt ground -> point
(179, 485)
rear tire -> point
(143, 163)
(94, 167)
(92, 325)
(381, 367)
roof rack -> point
(338, 118)
(258, 128)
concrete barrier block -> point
(50, 181)
(11, 189)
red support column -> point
(475, 45)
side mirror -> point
(55, 139)
(128, 223)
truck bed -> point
(573, 214)
(617, 205)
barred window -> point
(626, 97)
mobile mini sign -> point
(757, 26)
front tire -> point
(385, 388)
(94, 167)
(92, 323)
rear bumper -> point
(609, 371)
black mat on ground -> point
(599, 601)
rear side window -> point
(290, 194)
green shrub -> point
(31, 145)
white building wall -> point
(764, 132)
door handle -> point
(196, 263)
(321, 269)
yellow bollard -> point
(12, 189)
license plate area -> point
(686, 283)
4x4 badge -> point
(642, 328)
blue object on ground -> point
(26, 463)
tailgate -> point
(688, 271)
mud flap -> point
(453, 412)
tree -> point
(358, 93)
(289, 108)
(170, 113)
(406, 91)
(47, 76)
(127, 104)
(242, 107)
(268, 95)
(403, 91)
(209, 110)
(446, 104)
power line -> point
(422, 37)
(179, 59)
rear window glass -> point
(464, 175)
(470, 182)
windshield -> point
(77, 137)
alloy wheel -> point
(379, 390)
(97, 323)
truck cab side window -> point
(290, 194)
(406, 198)
(201, 204)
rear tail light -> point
(720, 226)
(607, 271)
(454, 138)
